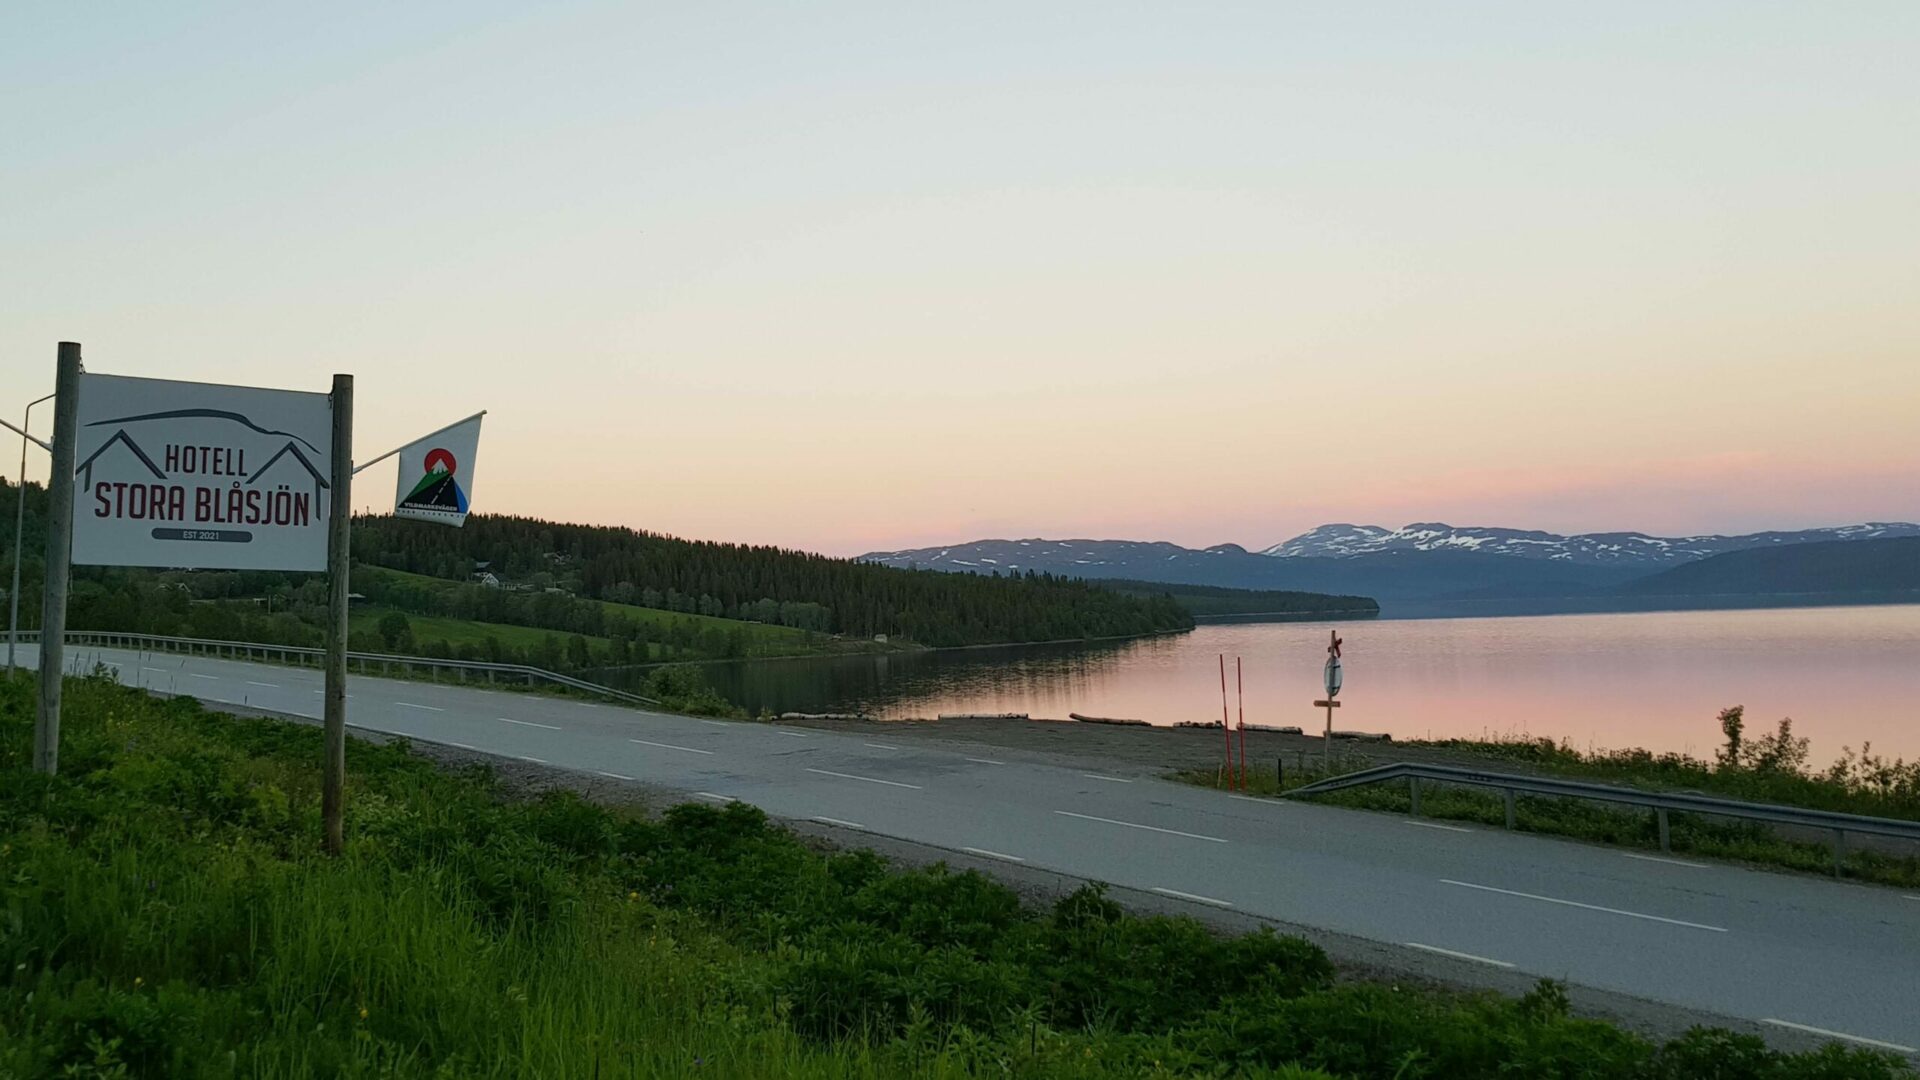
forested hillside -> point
(1209, 600)
(599, 595)
(765, 584)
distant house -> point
(488, 579)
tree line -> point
(851, 598)
(555, 573)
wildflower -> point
(632, 896)
(363, 1012)
(138, 982)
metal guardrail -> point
(302, 656)
(1660, 802)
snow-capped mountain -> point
(1622, 549)
(1418, 563)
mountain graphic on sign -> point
(436, 491)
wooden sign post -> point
(1331, 679)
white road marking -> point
(197, 675)
(1191, 896)
(614, 775)
(535, 760)
(670, 746)
(411, 705)
(793, 734)
(992, 854)
(1437, 825)
(144, 668)
(1913, 898)
(1149, 828)
(1589, 907)
(1108, 779)
(985, 761)
(586, 704)
(464, 746)
(1456, 955)
(268, 685)
(843, 824)
(717, 723)
(1896, 1047)
(716, 798)
(1669, 862)
(868, 779)
(528, 723)
(879, 746)
(1250, 798)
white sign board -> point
(436, 475)
(1331, 677)
(201, 476)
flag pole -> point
(436, 431)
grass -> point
(164, 912)
(762, 639)
(1770, 769)
(459, 632)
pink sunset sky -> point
(851, 277)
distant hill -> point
(1387, 575)
(1427, 568)
(1889, 566)
(1207, 601)
(1619, 549)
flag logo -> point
(436, 475)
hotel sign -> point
(200, 476)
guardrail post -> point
(1839, 852)
(1509, 800)
(1666, 835)
(1414, 783)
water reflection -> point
(1845, 675)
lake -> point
(1846, 675)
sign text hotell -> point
(231, 505)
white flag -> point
(436, 475)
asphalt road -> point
(1801, 954)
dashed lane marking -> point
(613, 775)
(535, 760)
(867, 779)
(1588, 907)
(1437, 825)
(670, 746)
(879, 746)
(842, 824)
(985, 761)
(268, 685)
(1108, 779)
(528, 723)
(715, 798)
(1195, 897)
(1149, 828)
(992, 854)
(1456, 955)
(411, 705)
(1668, 862)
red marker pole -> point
(1240, 688)
(1224, 729)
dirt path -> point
(1136, 750)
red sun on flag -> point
(438, 460)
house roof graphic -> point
(290, 450)
(85, 469)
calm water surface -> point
(1654, 679)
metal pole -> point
(1225, 728)
(53, 595)
(19, 536)
(333, 785)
